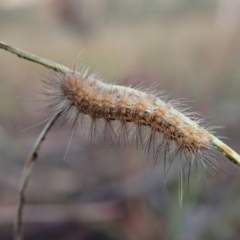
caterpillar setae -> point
(143, 117)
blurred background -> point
(191, 48)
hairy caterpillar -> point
(209, 144)
(139, 116)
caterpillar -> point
(143, 117)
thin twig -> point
(26, 174)
(33, 58)
(227, 151)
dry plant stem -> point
(31, 57)
(227, 151)
(26, 174)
